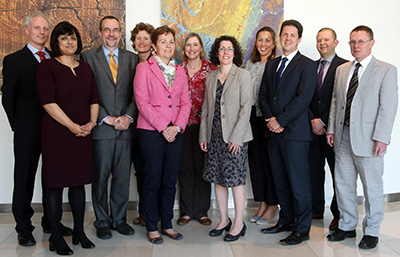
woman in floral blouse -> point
(195, 193)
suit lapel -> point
(101, 58)
(157, 72)
(367, 75)
(29, 57)
(329, 74)
(230, 77)
(121, 63)
(288, 69)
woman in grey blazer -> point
(225, 130)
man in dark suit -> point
(286, 90)
(114, 69)
(24, 112)
(319, 115)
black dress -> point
(220, 166)
(67, 159)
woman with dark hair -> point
(161, 93)
(264, 49)
(67, 92)
(141, 42)
(195, 193)
(225, 132)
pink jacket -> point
(157, 105)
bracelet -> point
(93, 122)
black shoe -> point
(295, 238)
(218, 232)
(103, 233)
(368, 242)
(276, 229)
(124, 229)
(25, 238)
(340, 235)
(230, 238)
(66, 231)
(84, 243)
(66, 251)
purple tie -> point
(320, 76)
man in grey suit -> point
(114, 69)
(364, 105)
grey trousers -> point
(347, 167)
(111, 157)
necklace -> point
(194, 68)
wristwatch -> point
(178, 128)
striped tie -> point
(113, 67)
(350, 94)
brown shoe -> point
(183, 221)
(205, 221)
(139, 221)
(334, 224)
(317, 216)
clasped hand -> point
(170, 133)
(119, 123)
(82, 131)
(273, 125)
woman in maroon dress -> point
(68, 93)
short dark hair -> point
(64, 28)
(161, 31)
(108, 17)
(293, 23)
(139, 27)
(238, 59)
(255, 54)
(364, 28)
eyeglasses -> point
(108, 30)
(223, 49)
(360, 42)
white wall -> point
(341, 15)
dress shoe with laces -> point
(340, 235)
(295, 238)
(125, 229)
(334, 225)
(218, 232)
(368, 242)
(25, 238)
(103, 233)
(231, 238)
(86, 243)
(276, 229)
(66, 231)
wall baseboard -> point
(133, 205)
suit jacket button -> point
(169, 96)
(222, 116)
(222, 103)
(170, 106)
(319, 102)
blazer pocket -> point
(156, 105)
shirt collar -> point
(329, 59)
(290, 56)
(364, 63)
(34, 50)
(107, 52)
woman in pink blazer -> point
(161, 93)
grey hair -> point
(31, 16)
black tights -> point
(76, 197)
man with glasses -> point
(364, 105)
(286, 90)
(114, 69)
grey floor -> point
(198, 243)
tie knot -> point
(323, 62)
(284, 60)
(111, 54)
(40, 53)
(358, 65)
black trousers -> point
(262, 181)
(195, 192)
(319, 151)
(26, 162)
(161, 162)
(291, 173)
(138, 164)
